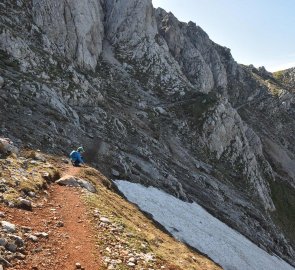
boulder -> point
(24, 204)
(17, 240)
(11, 247)
(73, 181)
(7, 147)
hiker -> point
(76, 157)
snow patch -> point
(193, 225)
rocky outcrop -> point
(287, 78)
(7, 147)
(130, 22)
(71, 28)
(230, 139)
(195, 52)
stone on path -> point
(24, 204)
(73, 181)
(7, 226)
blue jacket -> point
(76, 156)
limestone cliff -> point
(71, 28)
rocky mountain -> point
(154, 101)
(287, 78)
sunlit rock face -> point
(155, 101)
(73, 28)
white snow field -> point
(193, 225)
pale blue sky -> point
(258, 32)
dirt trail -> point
(70, 170)
(71, 238)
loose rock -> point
(8, 227)
(105, 220)
(76, 182)
(11, 247)
(24, 204)
(3, 242)
(33, 238)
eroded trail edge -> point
(65, 235)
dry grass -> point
(141, 233)
(23, 175)
(273, 87)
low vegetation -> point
(132, 231)
(126, 238)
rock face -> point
(194, 52)
(73, 29)
(287, 78)
(157, 102)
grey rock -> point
(11, 247)
(17, 240)
(76, 182)
(115, 173)
(6, 146)
(3, 242)
(24, 204)
(31, 194)
(105, 220)
(8, 227)
(42, 234)
(33, 238)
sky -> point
(258, 32)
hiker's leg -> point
(76, 163)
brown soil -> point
(62, 215)
(74, 234)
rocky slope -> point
(287, 78)
(39, 229)
(155, 101)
